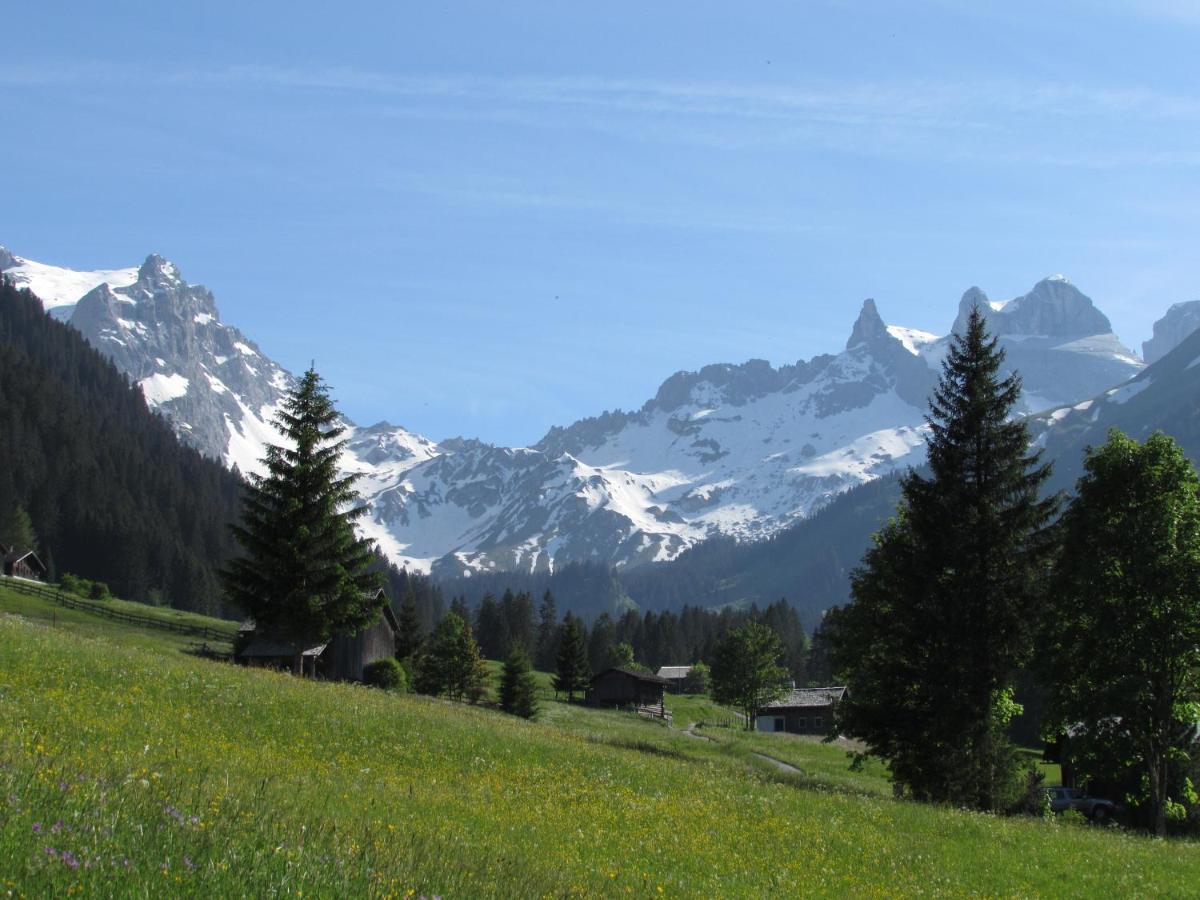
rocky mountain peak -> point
(869, 327)
(1171, 330)
(7, 260)
(1054, 308)
(158, 270)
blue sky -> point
(488, 218)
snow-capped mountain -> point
(741, 450)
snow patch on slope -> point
(159, 388)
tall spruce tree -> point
(944, 602)
(304, 575)
(574, 667)
(1121, 654)
(409, 637)
(546, 651)
(518, 687)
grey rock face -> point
(1171, 330)
(7, 260)
(161, 330)
(1054, 308)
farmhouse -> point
(627, 687)
(22, 564)
(675, 677)
(803, 711)
(343, 658)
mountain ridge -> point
(743, 450)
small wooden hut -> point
(627, 688)
(675, 676)
(22, 564)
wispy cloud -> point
(968, 121)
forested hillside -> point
(808, 563)
(111, 493)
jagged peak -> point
(8, 259)
(158, 268)
(868, 327)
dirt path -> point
(690, 731)
(779, 764)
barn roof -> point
(14, 556)
(674, 671)
(632, 673)
(809, 698)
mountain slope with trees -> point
(109, 491)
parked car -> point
(1095, 808)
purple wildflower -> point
(50, 851)
(56, 827)
(187, 861)
(69, 860)
(37, 827)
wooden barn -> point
(675, 676)
(343, 658)
(803, 711)
(629, 688)
(22, 564)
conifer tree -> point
(16, 529)
(546, 652)
(945, 601)
(409, 637)
(450, 663)
(304, 575)
(574, 668)
(518, 687)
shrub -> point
(387, 674)
(98, 590)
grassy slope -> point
(78, 621)
(173, 774)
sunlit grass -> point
(128, 771)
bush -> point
(387, 674)
(82, 587)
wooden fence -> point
(57, 595)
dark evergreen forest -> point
(111, 493)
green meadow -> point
(131, 767)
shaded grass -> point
(212, 780)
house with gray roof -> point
(802, 711)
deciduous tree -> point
(1122, 644)
(745, 669)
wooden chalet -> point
(628, 688)
(22, 564)
(803, 711)
(675, 676)
(343, 658)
